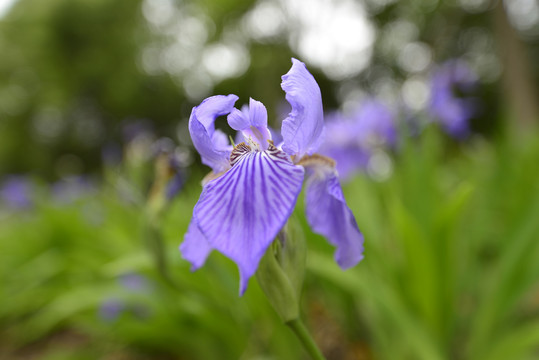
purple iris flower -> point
(449, 83)
(72, 188)
(253, 188)
(111, 309)
(134, 282)
(16, 192)
(350, 140)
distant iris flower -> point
(16, 192)
(253, 188)
(451, 84)
(350, 140)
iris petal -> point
(329, 215)
(303, 127)
(252, 121)
(238, 120)
(195, 247)
(258, 113)
(206, 140)
(241, 212)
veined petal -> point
(201, 126)
(303, 127)
(258, 113)
(329, 215)
(252, 121)
(195, 247)
(241, 212)
(238, 120)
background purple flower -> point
(16, 192)
(111, 309)
(72, 188)
(450, 84)
(134, 282)
(350, 140)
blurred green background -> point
(95, 97)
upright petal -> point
(238, 120)
(201, 126)
(195, 247)
(252, 122)
(329, 215)
(241, 212)
(303, 127)
(258, 113)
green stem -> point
(306, 339)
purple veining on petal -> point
(241, 212)
(209, 142)
(195, 248)
(302, 129)
(329, 215)
(453, 112)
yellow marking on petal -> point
(257, 133)
(316, 160)
(212, 176)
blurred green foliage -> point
(450, 270)
(451, 264)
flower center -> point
(257, 137)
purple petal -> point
(110, 309)
(375, 119)
(16, 191)
(252, 121)
(195, 247)
(303, 127)
(241, 212)
(452, 110)
(258, 113)
(238, 120)
(134, 282)
(329, 216)
(349, 159)
(206, 140)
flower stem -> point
(306, 339)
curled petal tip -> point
(206, 140)
(303, 127)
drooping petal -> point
(241, 212)
(195, 247)
(329, 215)
(303, 127)
(205, 139)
